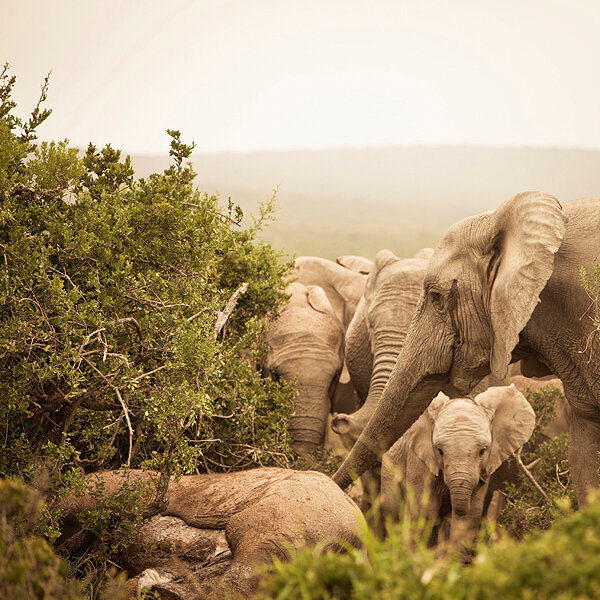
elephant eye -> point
(437, 300)
(482, 451)
(440, 451)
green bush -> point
(527, 508)
(29, 568)
(131, 320)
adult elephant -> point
(343, 283)
(501, 286)
(376, 334)
(306, 345)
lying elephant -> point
(263, 513)
(450, 452)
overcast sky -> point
(251, 74)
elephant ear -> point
(527, 232)
(382, 259)
(358, 264)
(419, 437)
(511, 422)
(318, 299)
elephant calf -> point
(449, 453)
(218, 527)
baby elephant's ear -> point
(418, 437)
(511, 421)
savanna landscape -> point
(178, 386)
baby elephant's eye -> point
(440, 451)
(482, 451)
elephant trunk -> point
(309, 418)
(388, 345)
(389, 422)
(420, 372)
(461, 491)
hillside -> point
(357, 201)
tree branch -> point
(530, 476)
(224, 314)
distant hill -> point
(357, 201)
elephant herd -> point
(414, 363)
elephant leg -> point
(584, 445)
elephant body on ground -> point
(449, 454)
(220, 526)
(501, 286)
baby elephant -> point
(449, 453)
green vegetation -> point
(33, 570)
(529, 507)
(591, 284)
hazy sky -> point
(252, 74)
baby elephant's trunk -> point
(461, 491)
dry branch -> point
(224, 314)
(530, 476)
(123, 405)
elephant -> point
(450, 452)
(376, 334)
(501, 286)
(219, 527)
(306, 345)
(343, 286)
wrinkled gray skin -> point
(344, 284)
(306, 343)
(501, 286)
(452, 450)
(262, 513)
(376, 334)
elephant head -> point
(343, 286)
(466, 440)
(381, 321)
(306, 346)
(480, 289)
